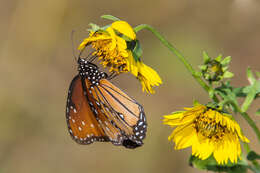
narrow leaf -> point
(228, 74)
(94, 27)
(250, 96)
(219, 58)
(138, 50)
(203, 67)
(206, 57)
(250, 76)
(226, 61)
(110, 17)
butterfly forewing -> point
(121, 102)
(106, 122)
(126, 113)
(82, 124)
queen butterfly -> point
(97, 110)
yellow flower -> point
(109, 48)
(114, 47)
(208, 132)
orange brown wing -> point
(123, 112)
(82, 124)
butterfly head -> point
(90, 71)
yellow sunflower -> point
(208, 132)
(115, 47)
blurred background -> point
(37, 66)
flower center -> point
(209, 128)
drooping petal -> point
(148, 77)
(124, 28)
(177, 118)
(184, 138)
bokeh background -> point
(37, 66)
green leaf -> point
(211, 93)
(206, 57)
(228, 74)
(241, 91)
(258, 112)
(229, 94)
(195, 102)
(94, 27)
(138, 50)
(225, 68)
(110, 17)
(136, 57)
(226, 61)
(219, 58)
(210, 164)
(253, 155)
(250, 76)
(253, 91)
(203, 67)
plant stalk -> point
(179, 56)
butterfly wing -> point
(99, 111)
(123, 112)
(82, 124)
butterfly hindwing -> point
(82, 124)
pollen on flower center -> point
(209, 128)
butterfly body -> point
(99, 111)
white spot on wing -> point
(107, 129)
(121, 115)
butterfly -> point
(97, 110)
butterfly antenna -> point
(72, 42)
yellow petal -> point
(185, 137)
(92, 38)
(177, 118)
(124, 28)
(202, 148)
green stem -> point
(179, 56)
(247, 147)
(249, 121)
